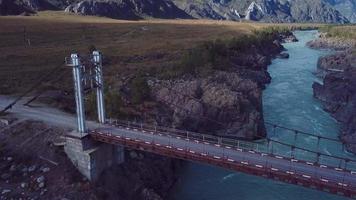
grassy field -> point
(346, 32)
(31, 46)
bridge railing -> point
(266, 146)
(220, 158)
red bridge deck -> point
(311, 175)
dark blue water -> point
(288, 101)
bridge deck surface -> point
(277, 164)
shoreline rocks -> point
(338, 91)
(337, 44)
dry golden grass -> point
(343, 32)
(128, 45)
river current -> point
(287, 101)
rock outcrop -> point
(264, 10)
(128, 9)
(346, 7)
(337, 44)
(11, 7)
(224, 103)
(338, 93)
(217, 10)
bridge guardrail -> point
(302, 155)
(292, 176)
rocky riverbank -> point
(338, 91)
(225, 101)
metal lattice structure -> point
(87, 75)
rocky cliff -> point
(221, 100)
(346, 7)
(264, 10)
(11, 7)
(128, 9)
(338, 93)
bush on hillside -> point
(140, 91)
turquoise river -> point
(287, 101)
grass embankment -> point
(32, 46)
(216, 54)
(342, 31)
(126, 45)
(345, 33)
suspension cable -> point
(34, 86)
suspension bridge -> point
(308, 167)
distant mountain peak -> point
(254, 12)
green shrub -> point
(140, 91)
(113, 104)
(215, 55)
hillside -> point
(264, 10)
(346, 7)
(258, 10)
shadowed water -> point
(288, 101)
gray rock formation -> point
(264, 10)
(128, 9)
(331, 43)
(346, 7)
(225, 103)
(338, 91)
(209, 9)
(11, 7)
(258, 10)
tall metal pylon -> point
(78, 90)
(99, 86)
(83, 77)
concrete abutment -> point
(90, 157)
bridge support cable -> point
(59, 78)
(41, 79)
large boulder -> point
(225, 104)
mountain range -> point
(277, 11)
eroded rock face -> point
(128, 9)
(331, 43)
(10, 7)
(226, 104)
(338, 92)
(337, 62)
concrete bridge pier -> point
(91, 158)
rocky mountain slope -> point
(128, 9)
(346, 7)
(264, 10)
(257, 10)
